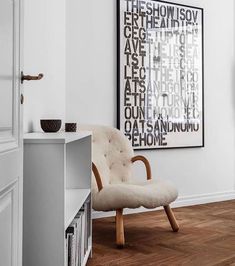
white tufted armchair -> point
(113, 187)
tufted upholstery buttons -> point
(110, 150)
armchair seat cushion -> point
(149, 194)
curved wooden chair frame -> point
(120, 237)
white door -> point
(11, 178)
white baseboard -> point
(180, 202)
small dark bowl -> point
(70, 127)
(50, 125)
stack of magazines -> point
(78, 237)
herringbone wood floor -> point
(206, 237)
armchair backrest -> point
(111, 153)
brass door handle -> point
(28, 77)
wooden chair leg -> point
(171, 218)
(120, 239)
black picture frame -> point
(200, 28)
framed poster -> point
(160, 74)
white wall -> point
(91, 65)
(44, 51)
(202, 175)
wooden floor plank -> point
(206, 238)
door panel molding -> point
(9, 215)
(11, 141)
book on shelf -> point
(83, 237)
(78, 240)
(77, 236)
(69, 258)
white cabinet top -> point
(61, 137)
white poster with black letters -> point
(160, 74)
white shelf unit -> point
(57, 182)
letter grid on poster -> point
(160, 74)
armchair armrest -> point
(97, 177)
(146, 163)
